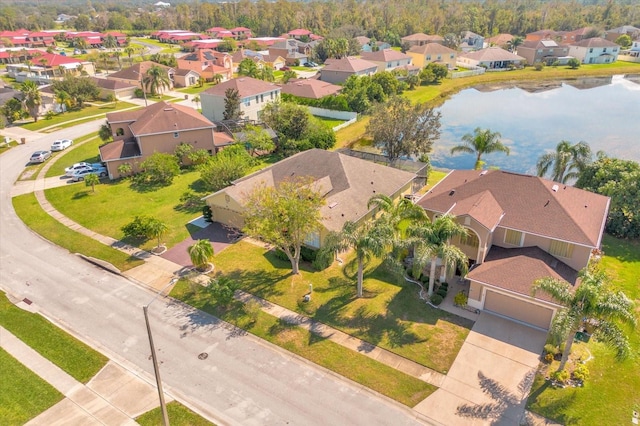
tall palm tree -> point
(514, 43)
(156, 78)
(248, 67)
(370, 239)
(196, 100)
(129, 51)
(592, 300)
(396, 213)
(31, 98)
(566, 162)
(482, 141)
(430, 241)
(201, 253)
(63, 98)
(216, 78)
(157, 229)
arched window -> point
(120, 131)
(470, 239)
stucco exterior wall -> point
(167, 142)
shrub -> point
(49, 115)
(581, 373)
(324, 259)
(207, 213)
(159, 168)
(561, 376)
(138, 227)
(222, 290)
(460, 299)
(444, 285)
(442, 292)
(424, 279)
(307, 254)
(539, 66)
(550, 349)
(252, 308)
(410, 272)
(548, 358)
(279, 254)
(436, 299)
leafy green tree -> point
(32, 98)
(439, 71)
(289, 120)
(226, 166)
(105, 132)
(12, 110)
(258, 140)
(266, 74)
(248, 67)
(201, 254)
(228, 45)
(182, 152)
(482, 141)
(593, 300)
(388, 82)
(370, 239)
(232, 105)
(566, 162)
(125, 169)
(82, 23)
(573, 63)
(402, 129)
(223, 290)
(160, 168)
(430, 241)
(110, 42)
(156, 79)
(284, 216)
(81, 89)
(156, 229)
(199, 156)
(91, 180)
(288, 75)
(624, 41)
(620, 180)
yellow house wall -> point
(166, 142)
(418, 59)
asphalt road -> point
(241, 381)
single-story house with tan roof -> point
(420, 39)
(337, 71)
(254, 96)
(519, 228)
(491, 58)
(310, 88)
(135, 74)
(387, 59)
(160, 127)
(117, 88)
(433, 52)
(347, 183)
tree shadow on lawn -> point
(259, 283)
(623, 250)
(556, 408)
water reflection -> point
(534, 117)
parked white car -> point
(76, 168)
(81, 174)
(61, 144)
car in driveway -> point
(76, 168)
(61, 144)
(40, 156)
(82, 174)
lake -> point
(534, 116)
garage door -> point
(227, 217)
(518, 309)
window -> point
(176, 134)
(271, 95)
(247, 102)
(591, 50)
(261, 98)
(257, 99)
(514, 238)
(604, 50)
(470, 239)
(451, 56)
(313, 239)
(428, 57)
(561, 248)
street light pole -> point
(156, 369)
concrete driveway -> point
(490, 378)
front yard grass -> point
(390, 315)
(330, 122)
(116, 203)
(352, 365)
(85, 149)
(65, 119)
(71, 355)
(178, 414)
(30, 212)
(611, 392)
(23, 394)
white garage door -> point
(518, 309)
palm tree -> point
(266, 74)
(155, 79)
(129, 51)
(201, 253)
(567, 161)
(592, 300)
(31, 98)
(482, 141)
(157, 229)
(216, 78)
(91, 180)
(196, 100)
(430, 241)
(396, 213)
(118, 55)
(514, 43)
(371, 239)
(105, 132)
(248, 67)
(62, 98)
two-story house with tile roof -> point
(544, 51)
(595, 50)
(519, 228)
(425, 54)
(254, 96)
(337, 71)
(420, 39)
(387, 59)
(207, 63)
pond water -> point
(533, 117)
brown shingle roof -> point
(432, 48)
(384, 55)
(530, 204)
(246, 86)
(118, 150)
(108, 84)
(137, 71)
(595, 42)
(422, 37)
(163, 117)
(493, 53)
(500, 39)
(312, 89)
(516, 269)
(348, 182)
(348, 64)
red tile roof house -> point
(160, 127)
(337, 71)
(387, 59)
(208, 62)
(254, 95)
(520, 228)
(92, 38)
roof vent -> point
(453, 191)
(484, 172)
(332, 205)
(554, 188)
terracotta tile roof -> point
(595, 42)
(423, 37)
(362, 40)
(163, 117)
(348, 64)
(385, 55)
(222, 139)
(312, 89)
(118, 150)
(530, 204)
(246, 86)
(348, 182)
(492, 54)
(431, 48)
(516, 269)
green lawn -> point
(96, 210)
(65, 351)
(352, 365)
(84, 149)
(30, 212)
(613, 389)
(23, 394)
(390, 315)
(60, 121)
(179, 415)
(330, 122)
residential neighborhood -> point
(329, 213)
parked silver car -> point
(40, 156)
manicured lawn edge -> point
(23, 394)
(179, 415)
(71, 355)
(30, 212)
(82, 150)
(359, 368)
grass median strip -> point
(361, 369)
(23, 394)
(71, 355)
(30, 212)
(179, 415)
